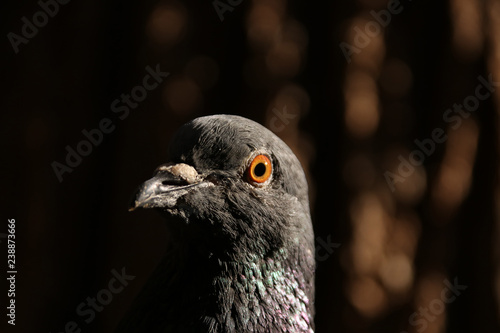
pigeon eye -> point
(260, 169)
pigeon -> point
(240, 253)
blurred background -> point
(392, 108)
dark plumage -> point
(240, 257)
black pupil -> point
(260, 169)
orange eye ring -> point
(260, 169)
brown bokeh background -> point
(349, 122)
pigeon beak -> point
(169, 182)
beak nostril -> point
(179, 174)
(174, 181)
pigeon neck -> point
(237, 294)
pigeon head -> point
(241, 254)
(232, 180)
